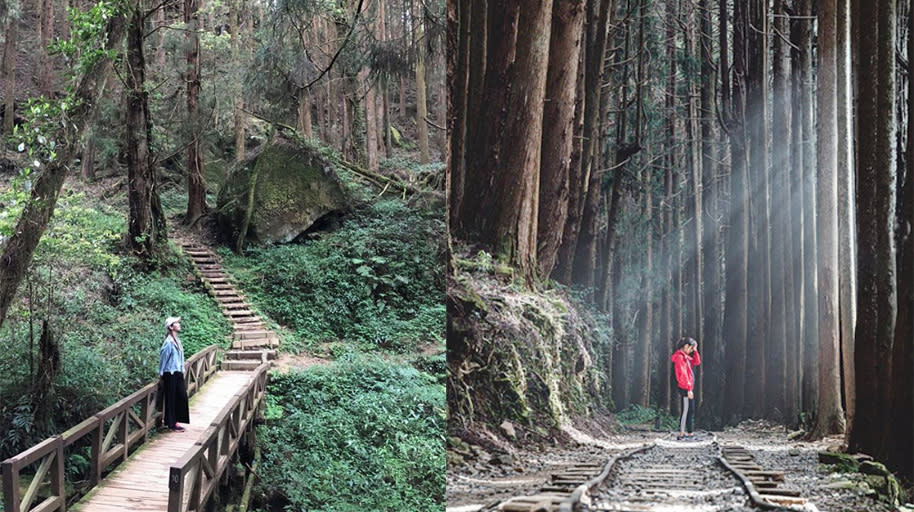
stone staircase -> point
(252, 342)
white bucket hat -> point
(170, 320)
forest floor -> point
(480, 477)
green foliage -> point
(87, 34)
(378, 280)
(638, 415)
(354, 436)
(84, 234)
(106, 316)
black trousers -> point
(175, 395)
(688, 411)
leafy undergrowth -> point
(639, 415)
(359, 434)
(105, 316)
(376, 283)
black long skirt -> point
(176, 409)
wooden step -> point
(259, 355)
(240, 364)
(251, 334)
(228, 306)
(255, 344)
(224, 293)
(240, 312)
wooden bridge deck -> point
(141, 483)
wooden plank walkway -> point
(141, 483)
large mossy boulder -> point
(293, 187)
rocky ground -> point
(488, 470)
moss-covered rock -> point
(293, 187)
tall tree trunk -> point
(9, 72)
(160, 23)
(710, 237)
(558, 128)
(759, 246)
(236, 14)
(641, 381)
(371, 124)
(737, 263)
(829, 414)
(691, 301)
(421, 104)
(579, 240)
(876, 264)
(847, 281)
(810, 309)
(304, 116)
(500, 203)
(20, 247)
(900, 456)
(196, 190)
(795, 205)
(666, 242)
(781, 270)
(45, 34)
(145, 223)
(457, 83)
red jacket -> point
(682, 364)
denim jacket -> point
(171, 355)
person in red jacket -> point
(685, 357)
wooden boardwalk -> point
(141, 483)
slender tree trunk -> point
(304, 115)
(829, 414)
(876, 264)
(666, 242)
(458, 83)
(196, 190)
(235, 15)
(558, 128)
(737, 263)
(795, 204)
(710, 237)
(9, 72)
(692, 263)
(45, 34)
(87, 161)
(847, 281)
(781, 270)
(759, 246)
(20, 247)
(371, 125)
(579, 242)
(810, 334)
(421, 104)
(160, 23)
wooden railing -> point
(112, 434)
(193, 477)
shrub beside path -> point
(252, 342)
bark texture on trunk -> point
(558, 128)
(20, 247)
(830, 415)
(196, 189)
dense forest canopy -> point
(121, 122)
(737, 172)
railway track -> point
(664, 476)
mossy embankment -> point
(538, 359)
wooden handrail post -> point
(97, 457)
(176, 490)
(58, 481)
(10, 486)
